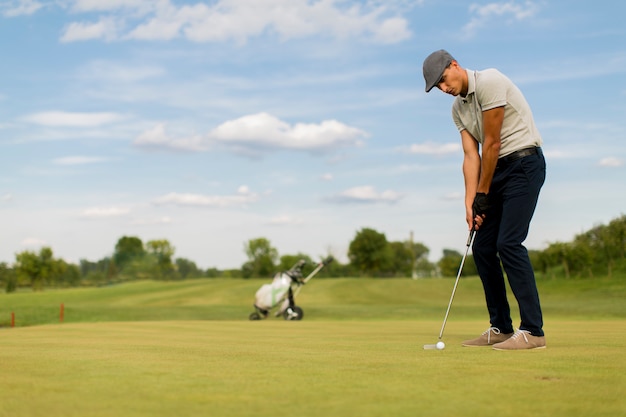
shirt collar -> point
(471, 83)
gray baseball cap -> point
(434, 66)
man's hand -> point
(480, 207)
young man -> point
(504, 170)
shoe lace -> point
(522, 333)
(488, 332)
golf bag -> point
(282, 292)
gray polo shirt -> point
(487, 90)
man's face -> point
(452, 80)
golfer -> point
(504, 170)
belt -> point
(506, 160)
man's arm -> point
(492, 126)
(471, 173)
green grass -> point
(187, 349)
(322, 299)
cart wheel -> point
(255, 316)
(293, 313)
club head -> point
(430, 347)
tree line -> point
(599, 251)
(370, 255)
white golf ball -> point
(440, 345)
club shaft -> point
(456, 282)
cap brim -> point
(433, 84)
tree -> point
(370, 253)
(288, 261)
(607, 243)
(127, 249)
(469, 268)
(69, 274)
(601, 249)
(8, 278)
(212, 273)
(402, 261)
(420, 255)
(187, 268)
(425, 268)
(261, 258)
(161, 252)
(556, 254)
(38, 269)
(450, 262)
(406, 257)
(617, 236)
(97, 273)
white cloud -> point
(264, 131)
(238, 20)
(33, 242)
(168, 22)
(454, 196)
(430, 148)
(20, 7)
(285, 220)
(327, 177)
(365, 194)
(157, 138)
(256, 133)
(484, 14)
(69, 119)
(144, 6)
(611, 162)
(243, 197)
(152, 221)
(77, 160)
(104, 212)
(105, 28)
(402, 169)
(100, 71)
(392, 31)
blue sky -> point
(210, 123)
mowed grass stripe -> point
(315, 368)
(322, 299)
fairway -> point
(362, 356)
(374, 368)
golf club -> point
(440, 345)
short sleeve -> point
(491, 89)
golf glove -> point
(481, 205)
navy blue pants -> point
(498, 244)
